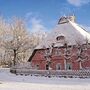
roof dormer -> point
(65, 19)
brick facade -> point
(58, 59)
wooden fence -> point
(58, 73)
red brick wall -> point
(38, 59)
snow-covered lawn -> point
(10, 81)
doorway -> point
(47, 67)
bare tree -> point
(16, 43)
(3, 27)
(67, 55)
(48, 55)
(17, 40)
(81, 54)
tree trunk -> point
(80, 65)
(14, 60)
(65, 64)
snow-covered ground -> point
(10, 81)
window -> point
(58, 66)
(68, 66)
(37, 66)
(63, 20)
(57, 52)
(47, 67)
(60, 38)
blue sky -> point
(44, 14)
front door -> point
(47, 67)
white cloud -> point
(35, 24)
(78, 2)
(38, 28)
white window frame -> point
(69, 66)
(58, 65)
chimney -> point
(66, 19)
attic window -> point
(60, 38)
(65, 19)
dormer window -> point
(65, 19)
(60, 38)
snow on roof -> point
(72, 32)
